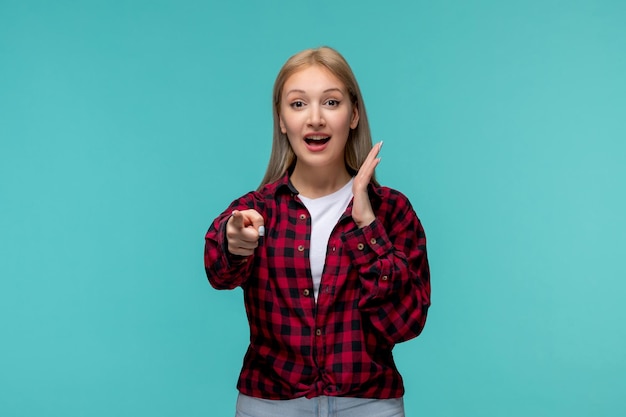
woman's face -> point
(316, 114)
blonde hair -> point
(359, 143)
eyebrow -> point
(328, 90)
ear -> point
(354, 122)
(283, 129)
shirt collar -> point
(284, 185)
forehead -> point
(311, 79)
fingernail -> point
(261, 231)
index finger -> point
(236, 219)
(375, 150)
(367, 168)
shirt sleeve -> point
(223, 269)
(390, 256)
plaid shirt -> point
(374, 293)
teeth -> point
(317, 137)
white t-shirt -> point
(325, 213)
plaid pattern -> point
(375, 292)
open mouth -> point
(313, 140)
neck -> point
(314, 183)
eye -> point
(297, 104)
(332, 102)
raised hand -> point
(243, 230)
(362, 212)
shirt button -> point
(334, 248)
(318, 332)
(306, 292)
(373, 241)
(384, 278)
(300, 248)
(360, 246)
(302, 217)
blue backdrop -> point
(127, 126)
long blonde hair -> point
(359, 142)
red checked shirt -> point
(374, 293)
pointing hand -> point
(243, 230)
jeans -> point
(319, 407)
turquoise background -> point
(126, 127)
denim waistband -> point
(319, 407)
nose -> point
(316, 118)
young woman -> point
(333, 266)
